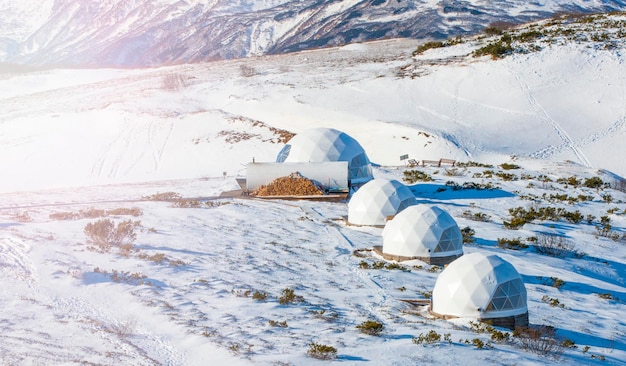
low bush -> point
(568, 343)
(430, 338)
(329, 316)
(322, 351)
(164, 196)
(93, 213)
(556, 282)
(105, 233)
(476, 216)
(571, 181)
(384, 265)
(288, 296)
(468, 235)
(496, 335)
(514, 244)
(371, 327)
(470, 185)
(607, 296)
(552, 301)
(507, 177)
(509, 166)
(413, 176)
(471, 164)
(540, 340)
(593, 182)
(497, 49)
(275, 323)
(554, 245)
(259, 295)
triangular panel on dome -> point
(377, 200)
(422, 232)
(317, 145)
(481, 286)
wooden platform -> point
(322, 197)
(437, 261)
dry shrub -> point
(22, 217)
(64, 216)
(233, 137)
(371, 327)
(322, 351)
(157, 258)
(164, 196)
(123, 329)
(92, 213)
(187, 203)
(540, 340)
(105, 233)
(293, 185)
(554, 245)
(122, 211)
(126, 250)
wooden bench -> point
(413, 162)
(431, 162)
(438, 162)
(447, 161)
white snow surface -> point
(75, 140)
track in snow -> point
(544, 116)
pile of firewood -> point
(292, 185)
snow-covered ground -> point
(75, 140)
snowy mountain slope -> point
(140, 33)
(566, 102)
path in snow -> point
(544, 116)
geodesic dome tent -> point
(481, 286)
(377, 200)
(318, 145)
(422, 232)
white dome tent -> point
(378, 199)
(481, 286)
(318, 145)
(422, 232)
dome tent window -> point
(450, 239)
(283, 154)
(507, 296)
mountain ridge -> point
(119, 33)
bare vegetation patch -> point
(233, 137)
(22, 217)
(288, 296)
(126, 277)
(163, 196)
(94, 213)
(554, 245)
(281, 136)
(105, 234)
(371, 327)
(413, 176)
(540, 340)
(322, 351)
